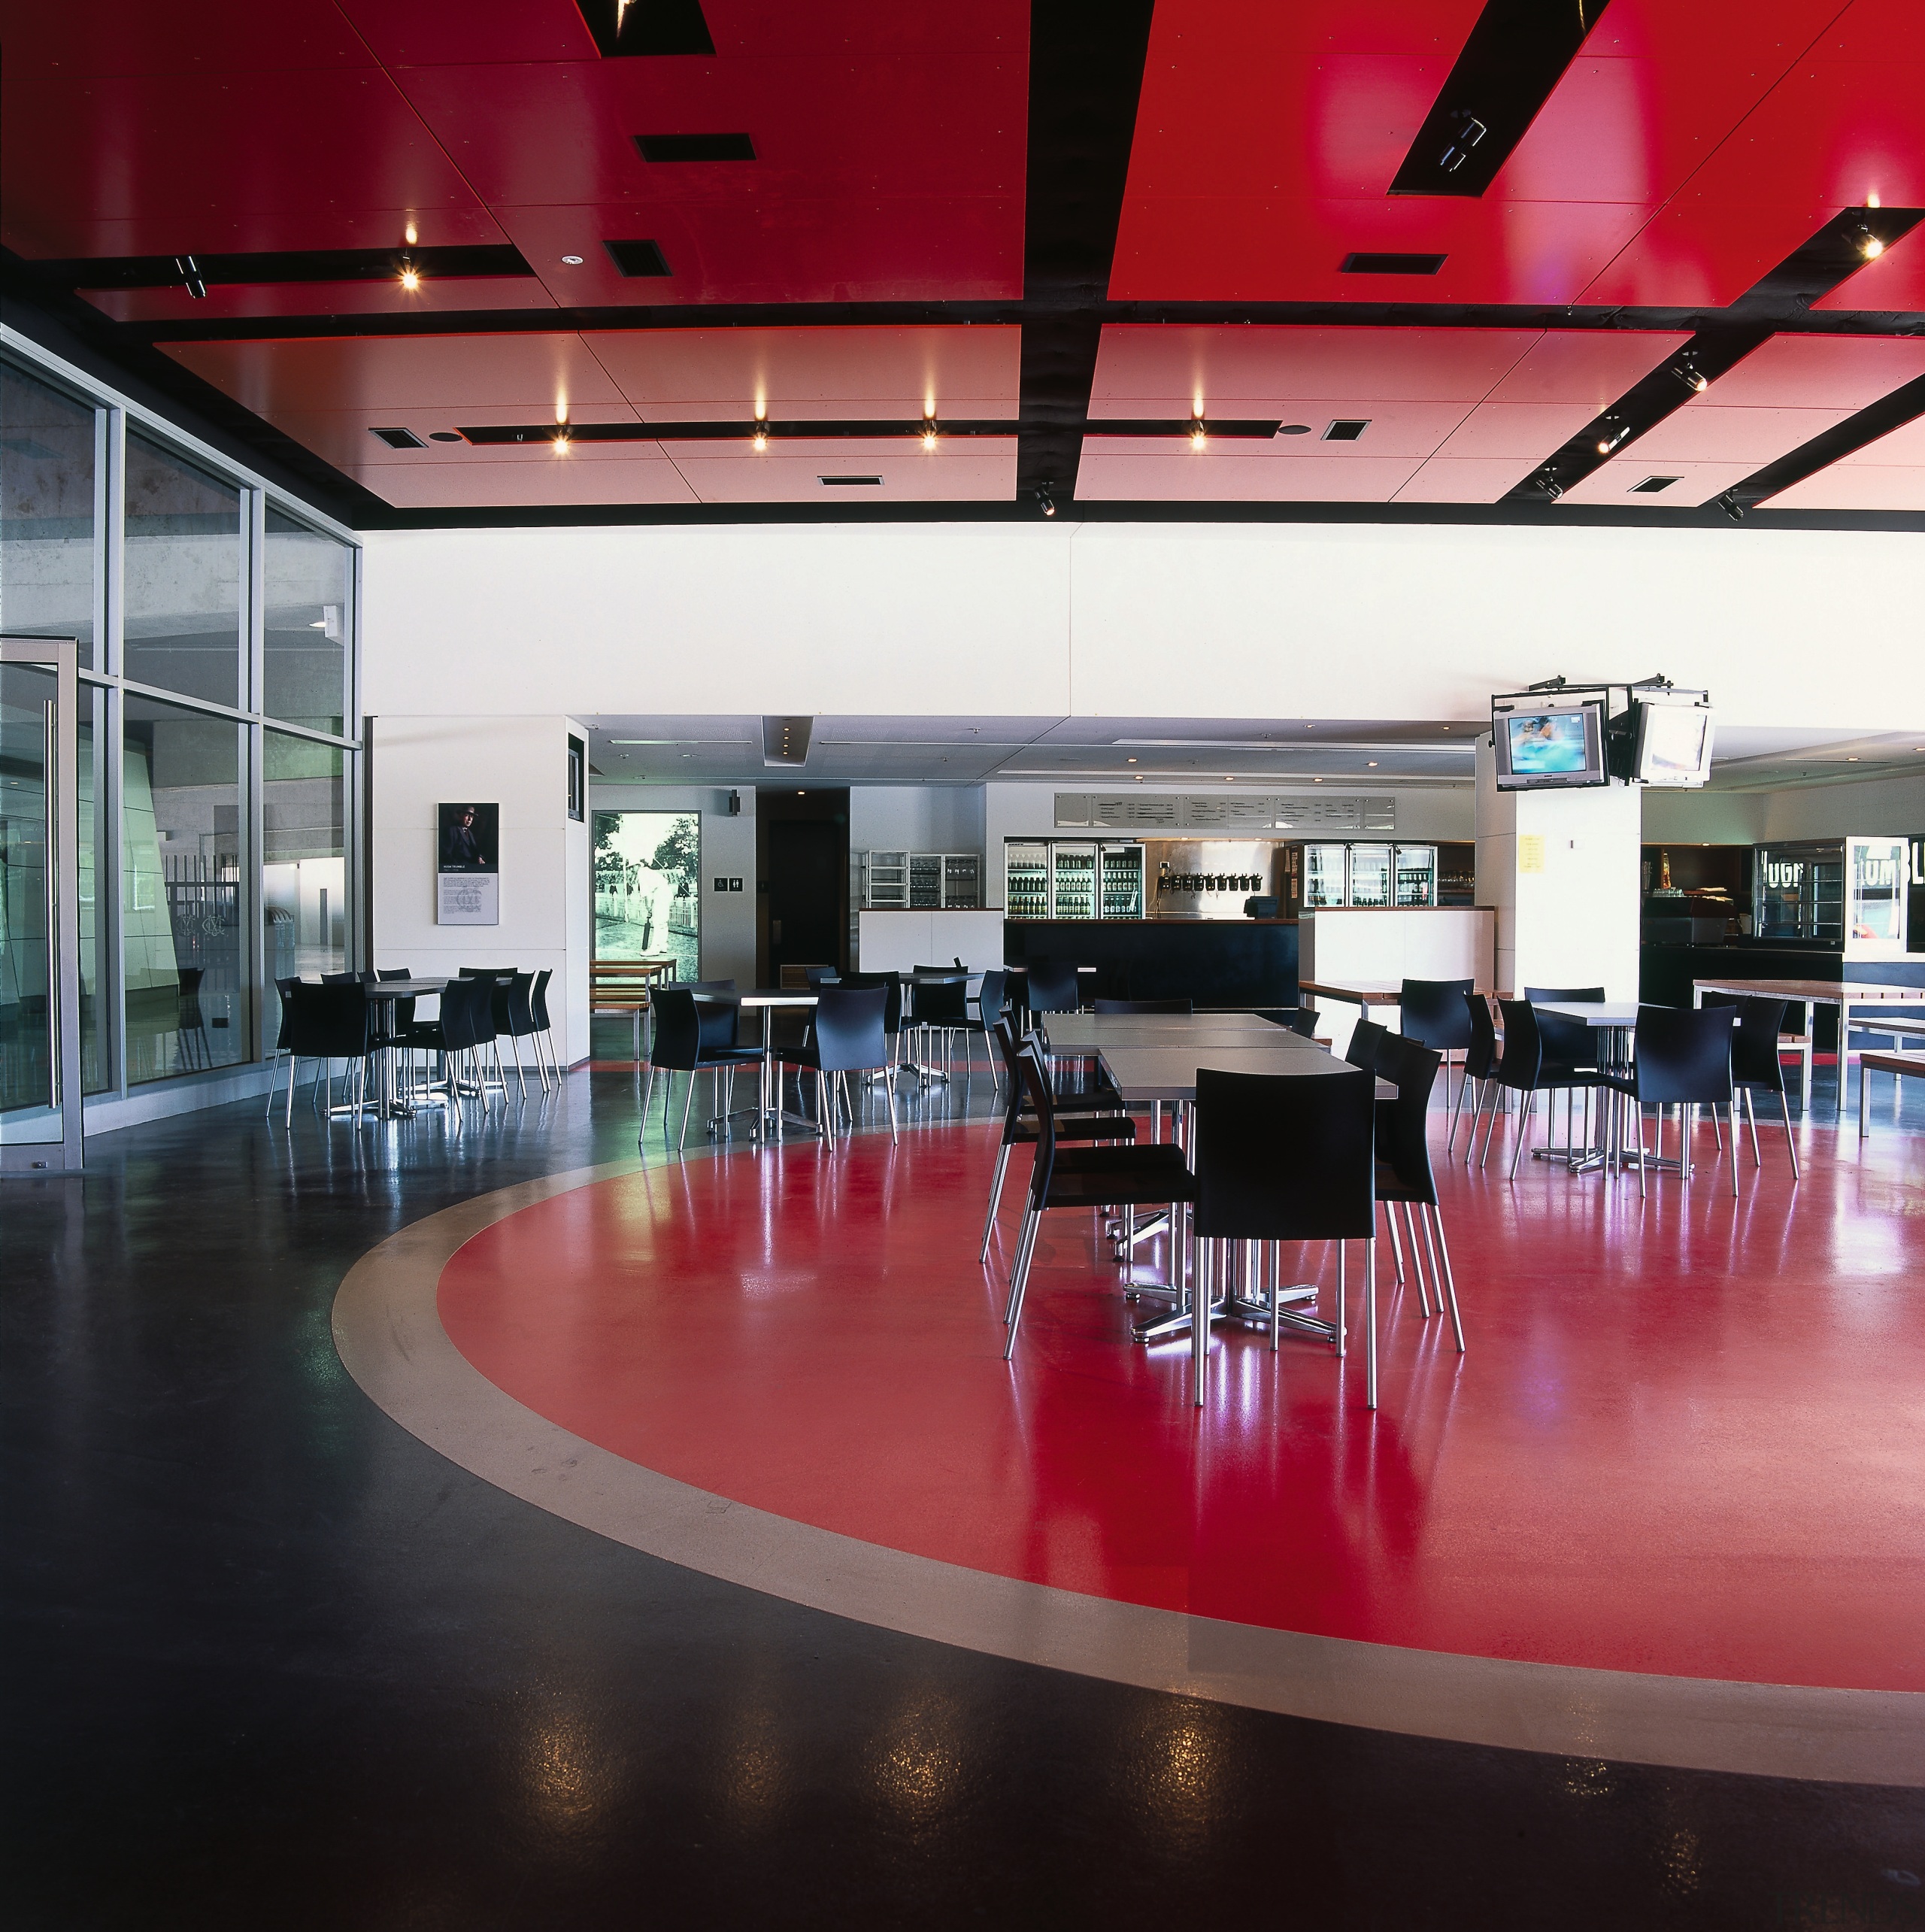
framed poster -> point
(467, 866)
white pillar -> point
(1562, 870)
(417, 764)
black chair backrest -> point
(537, 999)
(1403, 1139)
(818, 976)
(891, 985)
(990, 998)
(1565, 1042)
(1558, 995)
(404, 1009)
(1144, 1006)
(289, 990)
(1523, 1048)
(1433, 1012)
(850, 1036)
(516, 1002)
(944, 1002)
(1053, 988)
(464, 1004)
(1303, 1021)
(1754, 1049)
(1285, 1157)
(1684, 1055)
(1481, 1061)
(327, 979)
(678, 1044)
(1365, 1041)
(485, 972)
(331, 1021)
(1032, 1084)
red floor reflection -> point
(1688, 1437)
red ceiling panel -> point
(1236, 370)
(726, 374)
(210, 163)
(451, 295)
(1858, 487)
(385, 373)
(963, 469)
(1449, 479)
(559, 481)
(1588, 366)
(1136, 469)
(1844, 372)
(1895, 281)
(438, 33)
(116, 36)
(1616, 483)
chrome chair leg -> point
(1417, 1259)
(1343, 1340)
(1396, 1246)
(1199, 1316)
(1434, 1219)
(1523, 1127)
(1751, 1121)
(1456, 1112)
(1734, 1143)
(995, 1197)
(1370, 1323)
(688, 1102)
(1791, 1145)
(889, 1091)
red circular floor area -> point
(1688, 1437)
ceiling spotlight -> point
(1867, 244)
(1372, 763)
(571, 261)
(1197, 437)
(929, 429)
(1851, 757)
(1045, 502)
(411, 235)
(410, 276)
(1731, 507)
(1552, 488)
(1129, 761)
(1689, 377)
(760, 441)
(561, 443)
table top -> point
(647, 968)
(762, 995)
(1357, 992)
(1074, 1032)
(1169, 1073)
(1593, 1012)
(1892, 1059)
(1821, 992)
(402, 988)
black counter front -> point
(1665, 973)
(1224, 963)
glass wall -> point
(227, 807)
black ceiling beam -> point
(1086, 76)
(1904, 405)
(739, 430)
(488, 262)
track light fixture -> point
(929, 429)
(1199, 437)
(190, 277)
(1552, 488)
(1612, 438)
(1690, 376)
(1867, 244)
(1731, 507)
(1045, 502)
(410, 276)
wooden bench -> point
(1876, 1059)
(622, 986)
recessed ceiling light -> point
(571, 261)
(1373, 764)
(1851, 757)
(320, 624)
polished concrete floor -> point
(268, 1659)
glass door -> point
(1417, 874)
(1073, 890)
(1322, 876)
(1875, 917)
(40, 950)
(1025, 879)
(1370, 875)
(1122, 881)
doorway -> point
(802, 864)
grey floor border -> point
(388, 1332)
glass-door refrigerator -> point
(1370, 875)
(1120, 871)
(1072, 881)
(1323, 876)
(1026, 865)
(1417, 874)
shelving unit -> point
(920, 881)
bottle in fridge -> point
(1120, 871)
(1370, 875)
(1026, 879)
(1417, 874)
(1073, 881)
(1323, 876)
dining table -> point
(1810, 993)
(1615, 1020)
(384, 996)
(767, 1114)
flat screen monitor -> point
(1674, 744)
(1548, 743)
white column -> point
(1561, 869)
(521, 764)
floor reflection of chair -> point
(192, 1045)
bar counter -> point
(1214, 963)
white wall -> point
(1163, 620)
(728, 850)
(916, 818)
(1575, 922)
(521, 763)
(1803, 811)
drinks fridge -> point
(1073, 881)
(1026, 879)
(1323, 876)
(1370, 875)
(1417, 874)
(1120, 869)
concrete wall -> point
(521, 763)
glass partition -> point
(305, 920)
(189, 1004)
(309, 606)
(47, 513)
(183, 577)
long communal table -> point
(1844, 994)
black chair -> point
(1301, 1020)
(891, 984)
(1681, 1058)
(1524, 1068)
(1433, 1012)
(692, 1036)
(288, 990)
(1567, 1042)
(342, 978)
(1404, 1175)
(330, 1022)
(850, 1038)
(1114, 1174)
(511, 1007)
(1144, 1006)
(990, 998)
(1284, 1158)
(818, 976)
(941, 1011)
(1756, 1063)
(538, 1011)
(456, 1034)
(1366, 1042)
(1053, 988)
(1480, 1068)
(1019, 1129)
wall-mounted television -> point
(1548, 744)
(1673, 743)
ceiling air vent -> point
(1346, 429)
(1392, 264)
(1651, 486)
(622, 28)
(657, 148)
(401, 439)
(850, 482)
(638, 258)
